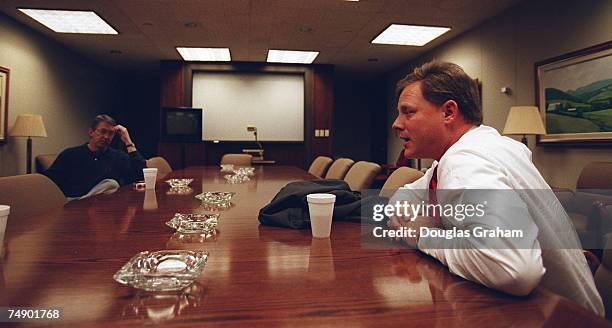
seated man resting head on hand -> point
(94, 167)
(439, 117)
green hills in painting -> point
(586, 109)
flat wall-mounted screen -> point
(274, 103)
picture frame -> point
(4, 98)
(574, 95)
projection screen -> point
(230, 102)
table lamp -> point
(29, 125)
(524, 120)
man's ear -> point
(450, 108)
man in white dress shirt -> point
(439, 117)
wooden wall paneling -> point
(173, 153)
(309, 115)
(323, 103)
(194, 154)
(172, 88)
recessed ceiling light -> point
(292, 56)
(70, 21)
(204, 54)
(409, 35)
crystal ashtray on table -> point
(162, 270)
(223, 198)
(194, 223)
(179, 183)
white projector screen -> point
(274, 103)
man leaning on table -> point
(94, 167)
(439, 117)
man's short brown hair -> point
(102, 118)
(442, 81)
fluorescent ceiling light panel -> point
(409, 35)
(70, 21)
(292, 56)
(204, 54)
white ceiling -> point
(149, 30)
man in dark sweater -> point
(94, 167)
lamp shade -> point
(524, 120)
(29, 125)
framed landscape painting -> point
(574, 94)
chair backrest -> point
(237, 159)
(44, 161)
(361, 174)
(30, 194)
(163, 167)
(319, 166)
(339, 168)
(399, 178)
(595, 175)
(603, 277)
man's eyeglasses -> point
(105, 132)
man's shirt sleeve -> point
(133, 170)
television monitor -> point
(181, 124)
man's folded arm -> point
(513, 271)
(135, 165)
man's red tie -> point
(433, 186)
(433, 183)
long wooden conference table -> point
(255, 276)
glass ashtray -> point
(162, 270)
(194, 223)
(216, 197)
(176, 183)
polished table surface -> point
(255, 276)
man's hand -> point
(123, 134)
(396, 222)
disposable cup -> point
(321, 208)
(150, 175)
